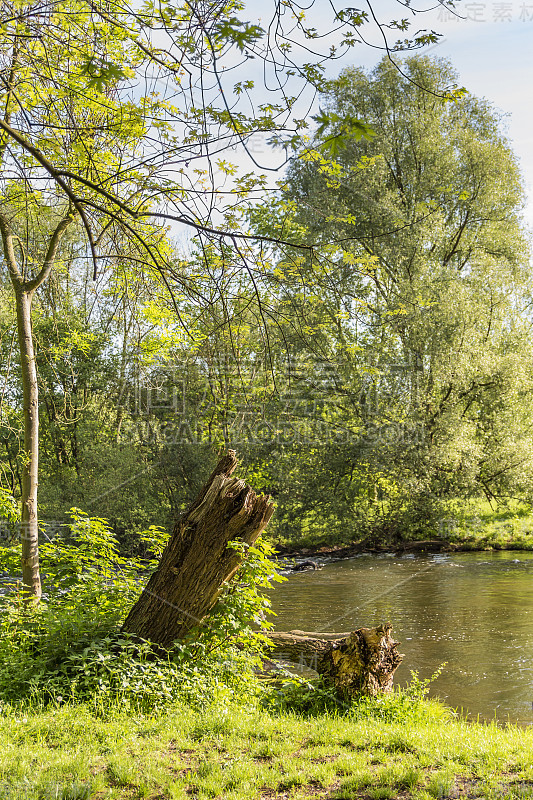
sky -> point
(489, 43)
(492, 49)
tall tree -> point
(24, 287)
(86, 129)
(426, 266)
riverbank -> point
(471, 526)
(384, 750)
(417, 546)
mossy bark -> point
(30, 472)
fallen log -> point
(361, 662)
(430, 545)
(197, 561)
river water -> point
(471, 610)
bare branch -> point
(51, 253)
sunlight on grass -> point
(245, 753)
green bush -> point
(69, 647)
(9, 516)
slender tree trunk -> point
(29, 527)
(24, 288)
(197, 561)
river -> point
(473, 611)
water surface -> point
(472, 610)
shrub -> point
(69, 647)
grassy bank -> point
(70, 753)
(476, 524)
(466, 525)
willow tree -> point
(428, 273)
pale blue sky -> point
(495, 61)
(491, 48)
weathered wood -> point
(431, 545)
(197, 561)
(361, 662)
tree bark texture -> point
(30, 473)
(197, 561)
(361, 662)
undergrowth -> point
(69, 648)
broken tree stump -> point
(196, 561)
(361, 662)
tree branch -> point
(53, 172)
(9, 250)
(50, 253)
(60, 175)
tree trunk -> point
(361, 662)
(29, 526)
(197, 561)
(24, 288)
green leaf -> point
(101, 73)
(241, 34)
(345, 129)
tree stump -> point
(196, 561)
(361, 662)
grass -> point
(246, 754)
(475, 525)
(472, 524)
(233, 749)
